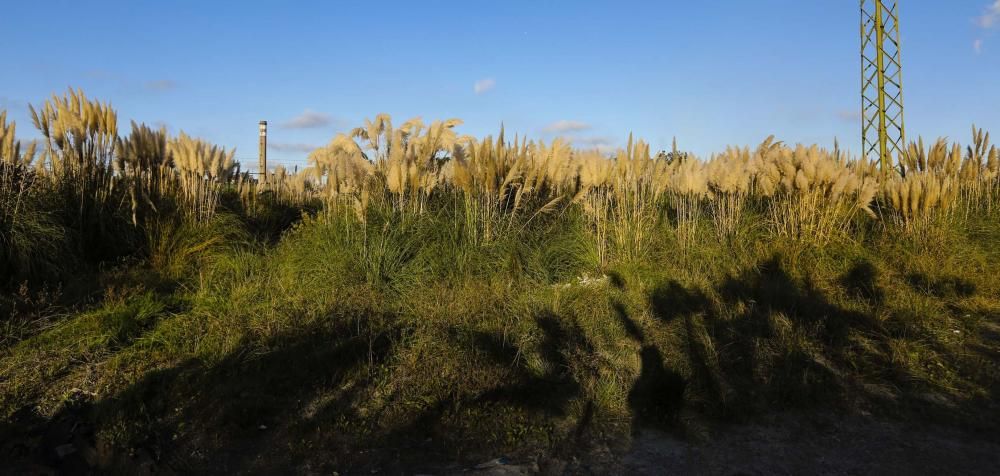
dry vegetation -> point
(488, 292)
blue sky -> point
(710, 73)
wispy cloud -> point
(991, 17)
(291, 147)
(484, 85)
(977, 46)
(564, 126)
(848, 115)
(601, 144)
(308, 120)
(160, 85)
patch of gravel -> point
(827, 444)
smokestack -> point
(263, 151)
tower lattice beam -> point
(882, 130)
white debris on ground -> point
(585, 281)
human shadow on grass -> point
(220, 418)
(656, 397)
(519, 385)
(753, 348)
(551, 390)
(767, 340)
(762, 341)
(470, 423)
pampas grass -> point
(623, 197)
(939, 183)
(80, 136)
(203, 169)
(920, 199)
(979, 176)
(490, 188)
(809, 194)
(688, 188)
(16, 179)
(30, 237)
(144, 166)
(730, 177)
(814, 194)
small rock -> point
(262, 427)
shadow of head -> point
(769, 284)
(616, 279)
(671, 300)
(861, 282)
(942, 287)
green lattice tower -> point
(882, 131)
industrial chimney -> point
(262, 171)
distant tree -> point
(673, 155)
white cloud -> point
(991, 17)
(603, 145)
(291, 147)
(564, 126)
(977, 46)
(308, 120)
(161, 85)
(484, 85)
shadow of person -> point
(657, 396)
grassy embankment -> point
(461, 295)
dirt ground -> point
(827, 445)
(788, 444)
(778, 444)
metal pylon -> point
(882, 131)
